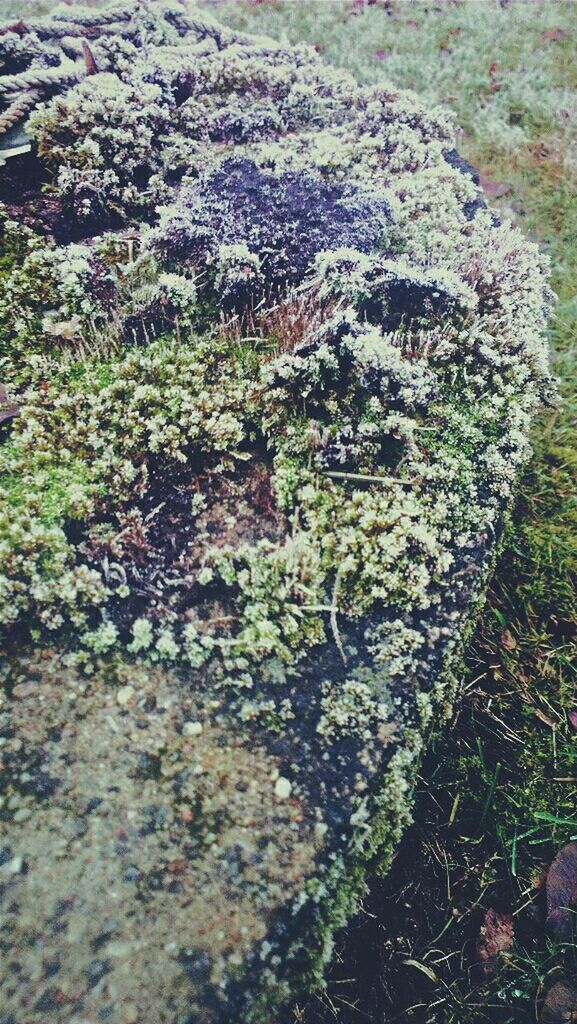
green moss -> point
(322, 477)
(510, 86)
(50, 491)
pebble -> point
(23, 814)
(14, 866)
(282, 788)
(192, 729)
(125, 695)
(24, 690)
(321, 829)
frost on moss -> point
(275, 364)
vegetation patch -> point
(508, 72)
(274, 364)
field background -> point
(497, 796)
(498, 793)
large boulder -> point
(268, 369)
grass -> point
(497, 794)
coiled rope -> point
(18, 110)
(40, 79)
(97, 19)
(72, 30)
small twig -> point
(333, 616)
(362, 478)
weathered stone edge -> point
(305, 956)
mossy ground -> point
(496, 796)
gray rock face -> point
(162, 861)
(146, 848)
(270, 365)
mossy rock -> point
(269, 367)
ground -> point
(496, 796)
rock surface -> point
(272, 364)
(144, 860)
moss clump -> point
(276, 364)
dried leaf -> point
(67, 329)
(494, 82)
(177, 866)
(553, 35)
(562, 891)
(508, 640)
(18, 26)
(544, 718)
(424, 968)
(560, 1006)
(541, 150)
(494, 189)
(496, 937)
(572, 716)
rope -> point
(71, 23)
(72, 46)
(17, 110)
(204, 27)
(96, 19)
(40, 79)
(73, 28)
(89, 23)
(45, 31)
